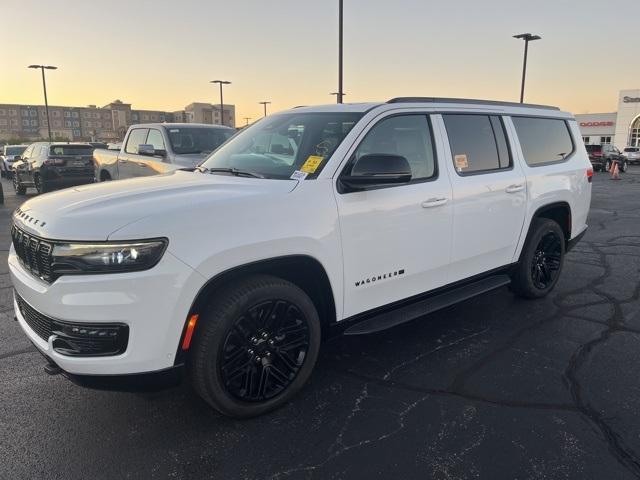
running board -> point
(389, 319)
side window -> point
(155, 138)
(543, 140)
(478, 143)
(27, 152)
(406, 135)
(136, 137)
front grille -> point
(41, 324)
(33, 252)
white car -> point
(361, 215)
(8, 157)
(632, 154)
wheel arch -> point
(302, 270)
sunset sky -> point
(161, 54)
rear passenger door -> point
(489, 193)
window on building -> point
(67, 114)
(605, 140)
(543, 140)
(3, 121)
(67, 123)
(13, 112)
(2, 112)
(34, 123)
(585, 140)
(478, 143)
(14, 122)
(25, 113)
(57, 123)
(56, 113)
(25, 123)
(74, 114)
(76, 123)
(33, 113)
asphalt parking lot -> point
(493, 388)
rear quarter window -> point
(543, 140)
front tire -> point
(255, 346)
(541, 260)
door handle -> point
(434, 202)
(517, 187)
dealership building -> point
(620, 128)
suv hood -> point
(93, 212)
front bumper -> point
(154, 304)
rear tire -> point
(255, 346)
(541, 260)
(105, 176)
(17, 186)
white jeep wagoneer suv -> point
(361, 215)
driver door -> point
(396, 240)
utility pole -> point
(264, 104)
(527, 37)
(221, 82)
(340, 92)
(247, 120)
(44, 86)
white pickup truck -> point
(153, 148)
(357, 216)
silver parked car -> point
(153, 148)
(632, 154)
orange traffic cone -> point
(615, 173)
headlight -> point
(109, 257)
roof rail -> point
(468, 101)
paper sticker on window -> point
(461, 162)
(298, 175)
(312, 163)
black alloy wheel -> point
(264, 350)
(545, 264)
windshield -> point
(632, 149)
(14, 150)
(277, 146)
(593, 148)
(71, 150)
(197, 140)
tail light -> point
(589, 174)
(54, 161)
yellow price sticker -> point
(312, 163)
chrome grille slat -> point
(34, 253)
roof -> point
(436, 104)
(181, 125)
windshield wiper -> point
(233, 171)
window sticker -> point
(312, 163)
(298, 175)
(461, 162)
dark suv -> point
(50, 166)
(601, 157)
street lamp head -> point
(222, 82)
(527, 37)
(46, 67)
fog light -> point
(90, 339)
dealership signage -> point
(631, 99)
(596, 124)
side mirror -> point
(377, 170)
(149, 151)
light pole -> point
(527, 37)
(264, 104)
(221, 82)
(44, 86)
(247, 120)
(340, 93)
